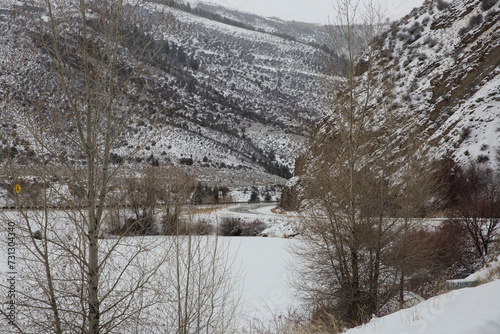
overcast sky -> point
(314, 11)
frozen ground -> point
(263, 268)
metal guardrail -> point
(229, 203)
(460, 284)
(62, 207)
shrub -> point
(463, 31)
(236, 227)
(475, 21)
(254, 228)
(143, 226)
(416, 29)
(431, 42)
(404, 37)
(9, 152)
(155, 162)
(176, 226)
(323, 317)
(254, 197)
(421, 56)
(441, 5)
(465, 133)
(487, 4)
(186, 161)
(229, 225)
(200, 227)
(483, 158)
(115, 158)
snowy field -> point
(264, 264)
(258, 266)
(261, 271)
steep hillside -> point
(238, 90)
(444, 60)
(448, 56)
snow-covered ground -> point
(263, 275)
(472, 310)
(259, 266)
(264, 264)
(465, 311)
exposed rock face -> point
(290, 197)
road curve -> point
(250, 209)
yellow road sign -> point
(18, 188)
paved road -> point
(250, 209)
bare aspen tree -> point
(81, 103)
(87, 67)
(201, 285)
(478, 205)
(361, 193)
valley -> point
(182, 167)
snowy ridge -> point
(444, 59)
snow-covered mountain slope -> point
(240, 89)
(448, 56)
(444, 63)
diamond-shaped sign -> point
(18, 188)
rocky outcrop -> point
(290, 197)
